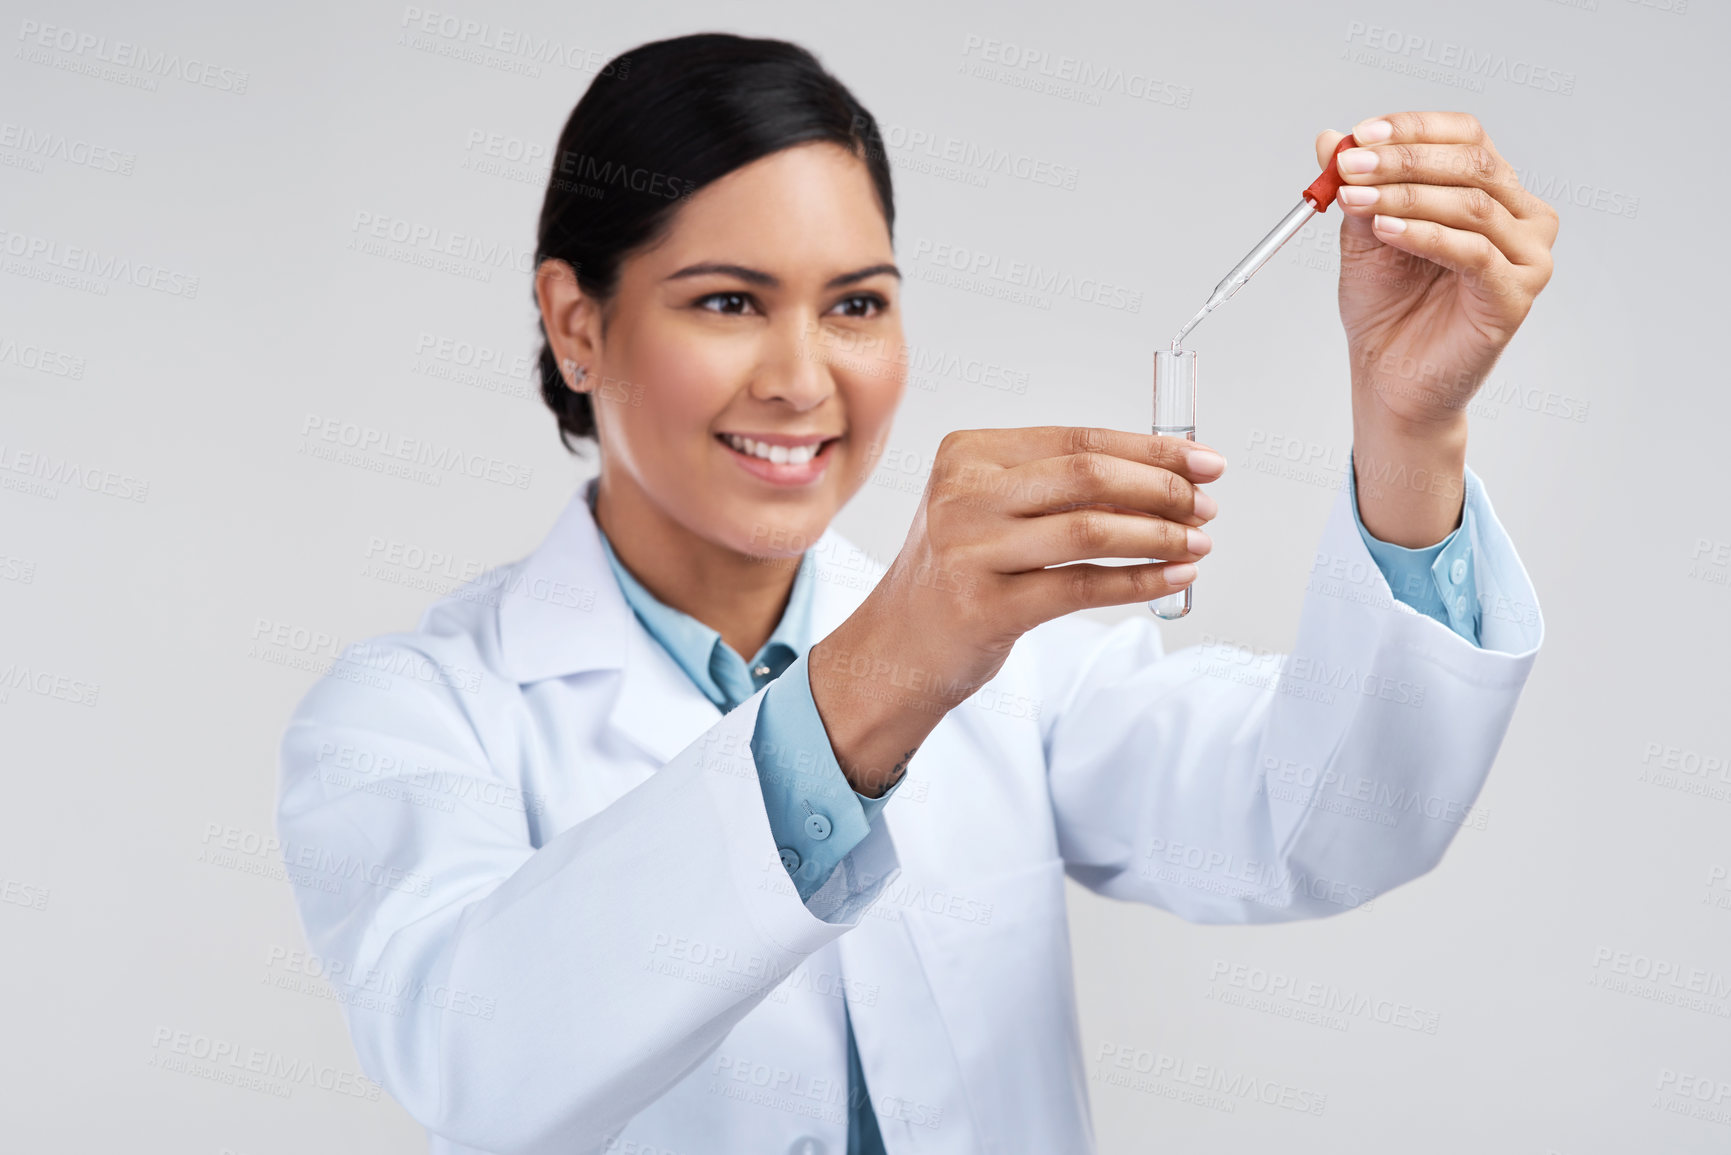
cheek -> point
(669, 395)
(872, 400)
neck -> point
(738, 596)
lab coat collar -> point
(563, 613)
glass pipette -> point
(1175, 370)
(1316, 199)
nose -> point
(793, 369)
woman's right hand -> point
(1000, 507)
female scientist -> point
(697, 832)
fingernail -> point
(1358, 160)
(1205, 461)
(1181, 574)
(1359, 194)
(1373, 132)
(1205, 506)
(1393, 226)
(1196, 542)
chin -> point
(779, 533)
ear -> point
(572, 319)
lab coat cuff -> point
(1431, 579)
(1478, 590)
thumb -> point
(1326, 142)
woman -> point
(593, 880)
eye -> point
(862, 305)
(732, 304)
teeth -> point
(777, 454)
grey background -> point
(124, 914)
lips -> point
(780, 458)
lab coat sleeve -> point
(1229, 785)
(524, 999)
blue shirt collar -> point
(724, 677)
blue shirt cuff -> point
(1437, 580)
(814, 814)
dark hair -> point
(660, 122)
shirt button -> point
(1458, 571)
(817, 826)
(790, 858)
(808, 1145)
(763, 671)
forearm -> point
(877, 709)
(1410, 478)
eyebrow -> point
(768, 281)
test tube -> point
(1174, 416)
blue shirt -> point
(808, 798)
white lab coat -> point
(539, 863)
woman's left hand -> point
(1441, 255)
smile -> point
(780, 454)
(780, 458)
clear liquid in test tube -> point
(1174, 416)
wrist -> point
(1410, 479)
(876, 708)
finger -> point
(1413, 127)
(1472, 255)
(1473, 165)
(1326, 142)
(1011, 447)
(1457, 128)
(1470, 209)
(1082, 534)
(1050, 593)
(1050, 484)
